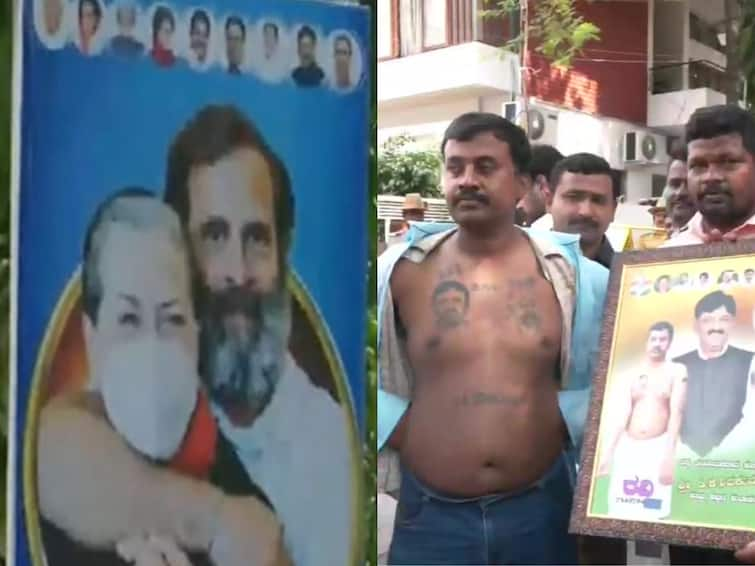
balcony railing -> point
(687, 76)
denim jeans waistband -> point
(563, 461)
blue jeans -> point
(529, 526)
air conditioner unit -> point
(542, 126)
(541, 123)
(639, 147)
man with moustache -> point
(721, 182)
(199, 35)
(270, 34)
(90, 17)
(342, 54)
(124, 43)
(584, 200)
(720, 175)
(235, 40)
(141, 339)
(234, 199)
(681, 209)
(53, 11)
(308, 73)
(485, 344)
(718, 376)
(647, 408)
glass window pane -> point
(434, 22)
(384, 28)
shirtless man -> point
(640, 451)
(485, 474)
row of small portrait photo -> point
(268, 49)
(726, 279)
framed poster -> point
(190, 242)
(669, 449)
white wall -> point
(675, 108)
(639, 182)
(579, 132)
(469, 66)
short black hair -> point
(663, 325)
(725, 271)
(677, 152)
(749, 270)
(344, 37)
(544, 159)
(452, 286)
(236, 21)
(715, 300)
(162, 14)
(306, 31)
(472, 124)
(199, 16)
(272, 26)
(584, 164)
(658, 281)
(712, 121)
(214, 133)
(704, 273)
(95, 7)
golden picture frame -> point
(669, 446)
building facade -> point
(626, 97)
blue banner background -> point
(91, 125)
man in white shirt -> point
(233, 197)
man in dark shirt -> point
(308, 73)
(125, 44)
(718, 376)
(583, 201)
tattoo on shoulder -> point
(450, 304)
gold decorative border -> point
(55, 327)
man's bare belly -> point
(650, 416)
(469, 437)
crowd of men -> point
(488, 334)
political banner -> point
(190, 246)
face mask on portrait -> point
(150, 390)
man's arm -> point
(677, 402)
(393, 410)
(94, 487)
(100, 492)
(621, 407)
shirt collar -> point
(706, 358)
(696, 227)
(605, 253)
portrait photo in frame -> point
(669, 446)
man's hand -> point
(151, 551)
(247, 534)
(666, 476)
(747, 554)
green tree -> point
(403, 170)
(556, 26)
